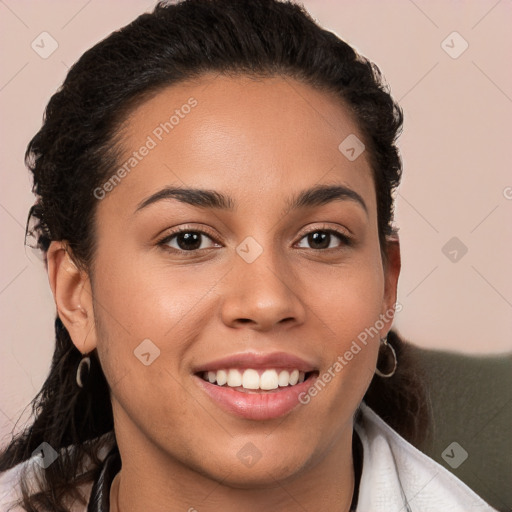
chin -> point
(266, 473)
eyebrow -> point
(316, 196)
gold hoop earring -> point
(85, 361)
(384, 342)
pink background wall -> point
(456, 149)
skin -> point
(260, 142)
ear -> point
(71, 288)
(392, 265)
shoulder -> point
(31, 470)
(397, 473)
(9, 488)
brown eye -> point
(186, 240)
(322, 239)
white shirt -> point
(396, 477)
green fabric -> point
(472, 406)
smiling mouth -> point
(250, 380)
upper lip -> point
(257, 360)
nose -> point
(262, 294)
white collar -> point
(397, 477)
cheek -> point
(348, 300)
(146, 300)
(146, 309)
(144, 326)
(348, 316)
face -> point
(249, 281)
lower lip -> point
(256, 406)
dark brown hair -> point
(75, 151)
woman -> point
(214, 201)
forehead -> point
(243, 135)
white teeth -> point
(294, 377)
(269, 380)
(222, 377)
(251, 379)
(284, 378)
(234, 378)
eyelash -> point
(346, 241)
